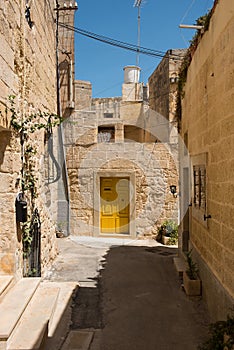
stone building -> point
(120, 163)
(163, 88)
(207, 165)
(28, 72)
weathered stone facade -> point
(66, 56)
(163, 89)
(137, 149)
(83, 93)
(27, 71)
(208, 131)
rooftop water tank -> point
(131, 74)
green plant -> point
(181, 83)
(203, 21)
(221, 335)
(27, 238)
(33, 273)
(192, 269)
(24, 125)
(173, 239)
(169, 229)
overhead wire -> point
(122, 44)
(187, 11)
(186, 42)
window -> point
(199, 187)
(108, 115)
(106, 134)
(135, 134)
(186, 144)
(199, 178)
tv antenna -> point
(138, 5)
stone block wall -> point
(151, 168)
(207, 124)
(27, 70)
(66, 56)
(83, 93)
(163, 89)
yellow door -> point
(114, 216)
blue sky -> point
(102, 64)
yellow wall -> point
(208, 118)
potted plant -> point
(168, 233)
(221, 335)
(191, 281)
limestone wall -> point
(66, 56)
(151, 168)
(27, 70)
(83, 93)
(163, 89)
(208, 126)
(163, 84)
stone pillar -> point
(119, 132)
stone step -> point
(5, 281)
(180, 265)
(32, 329)
(13, 305)
(60, 323)
(78, 340)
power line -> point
(122, 44)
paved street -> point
(130, 296)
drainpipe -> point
(57, 61)
(59, 111)
(70, 78)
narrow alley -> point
(116, 175)
(130, 296)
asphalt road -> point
(130, 295)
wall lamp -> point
(173, 191)
(28, 16)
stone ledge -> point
(5, 282)
(180, 265)
(11, 309)
(33, 325)
(78, 340)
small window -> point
(108, 115)
(186, 143)
(199, 178)
(106, 134)
(135, 134)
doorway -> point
(114, 211)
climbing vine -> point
(24, 126)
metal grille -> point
(199, 178)
(34, 260)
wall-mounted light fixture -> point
(173, 190)
(28, 16)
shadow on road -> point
(138, 303)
